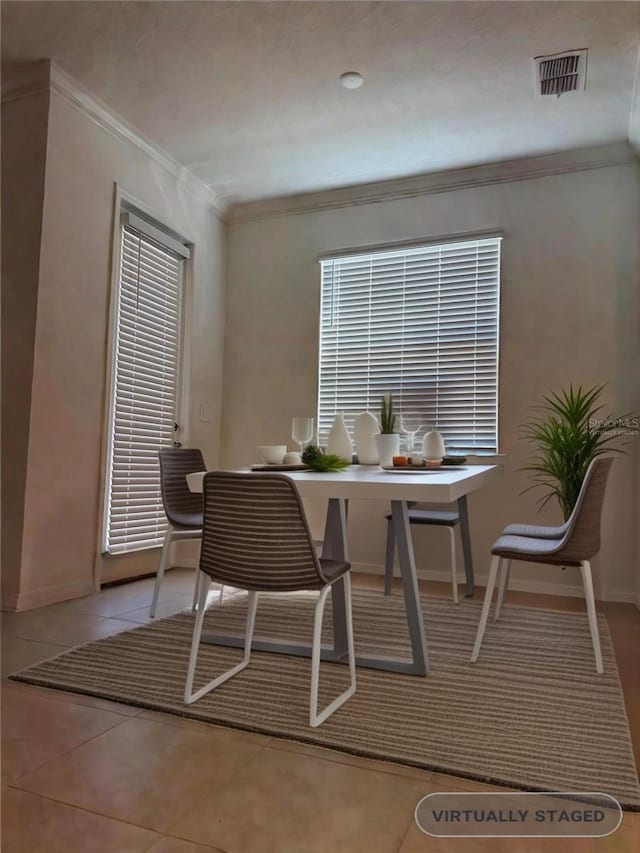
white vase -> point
(365, 429)
(388, 444)
(433, 447)
(339, 441)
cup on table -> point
(273, 454)
(292, 459)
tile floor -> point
(87, 775)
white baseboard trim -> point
(540, 587)
(572, 590)
(30, 599)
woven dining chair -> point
(256, 537)
(182, 507)
(578, 542)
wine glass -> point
(410, 422)
(302, 431)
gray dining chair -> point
(183, 508)
(427, 516)
(256, 537)
(578, 542)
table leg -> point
(335, 547)
(404, 544)
(463, 510)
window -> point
(421, 322)
(145, 383)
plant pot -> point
(388, 445)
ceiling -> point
(247, 96)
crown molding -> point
(578, 160)
(46, 76)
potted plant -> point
(388, 440)
(568, 434)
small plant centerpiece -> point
(316, 459)
(388, 440)
(567, 435)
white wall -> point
(85, 161)
(570, 309)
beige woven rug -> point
(531, 713)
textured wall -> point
(570, 307)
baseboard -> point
(30, 599)
(187, 562)
(540, 587)
(572, 590)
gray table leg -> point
(402, 529)
(335, 547)
(466, 545)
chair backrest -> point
(180, 503)
(255, 533)
(582, 539)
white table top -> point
(369, 482)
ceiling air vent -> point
(560, 73)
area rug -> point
(531, 714)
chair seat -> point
(332, 569)
(186, 520)
(529, 548)
(537, 531)
(431, 516)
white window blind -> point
(422, 323)
(145, 384)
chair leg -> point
(390, 553)
(252, 605)
(196, 591)
(315, 718)
(164, 560)
(585, 569)
(491, 582)
(503, 586)
(454, 567)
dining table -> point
(446, 484)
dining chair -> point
(183, 508)
(256, 537)
(578, 542)
(435, 517)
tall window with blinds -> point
(422, 323)
(145, 383)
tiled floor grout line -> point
(406, 835)
(74, 698)
(71, 749)
(88, 811)
(207, 795)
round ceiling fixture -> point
(351, 80)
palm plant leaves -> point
(566, 436)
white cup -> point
(292, 459)
(273, 454)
